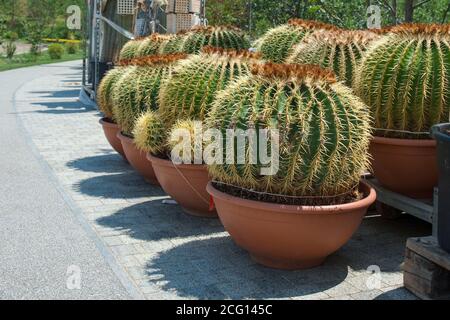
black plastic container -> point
(441, 133)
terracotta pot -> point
(186, 184)
(290, 237)
(138, 159)
(408, 167)
(111, 130)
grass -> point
(28, 60)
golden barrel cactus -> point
(192, 87)
(105, 90)
(137, 91)
(404, 78)
(276, 45)
(339, 50)
(226, 37)
(323, 129)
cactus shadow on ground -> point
(129, 185)
(154, 221)
(217, 269)
(101, 163)
(70, 93)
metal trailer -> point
(95, 23)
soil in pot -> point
(290, 237)
(405, 166)
(186, 184)
(111, 130)
(138, 159)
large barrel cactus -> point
(130, 49)
(226, 37)
(105, 89)
(324, 131)
(276, 45)
(192, 87)
(339, 50)
(151, 45)
(138, 89)
(404, 79)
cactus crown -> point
(138, 89)
(217, 36)
(151, 45)
(130, 48)
(276, 45)
(405, 77)
(192, 87)
(421, 29)
(105, 89)
(339, 50)
(324, 131)
(312, 24)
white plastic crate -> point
(181, 21)
(184, 6)
(126, 7)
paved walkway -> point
(68, 199)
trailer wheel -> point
(387, 211)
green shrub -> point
(276, 45)
(324, 131)
(72, 47)
(339, 50)
(55, 51)
(404, 79)
(10, 49)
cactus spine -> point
(339, 50)
(190, 91)
(173, 44)
(276, 45)
(105, 89)
(151, 45)
(138, 89)
(405, 78)
(324, 130)
(226, 37)
(149, 133)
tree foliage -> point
(259, 15)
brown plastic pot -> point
(111, 130)
(290, 237)
(186, 184)
(137, 159)
(405, 166)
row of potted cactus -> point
(298, 86)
